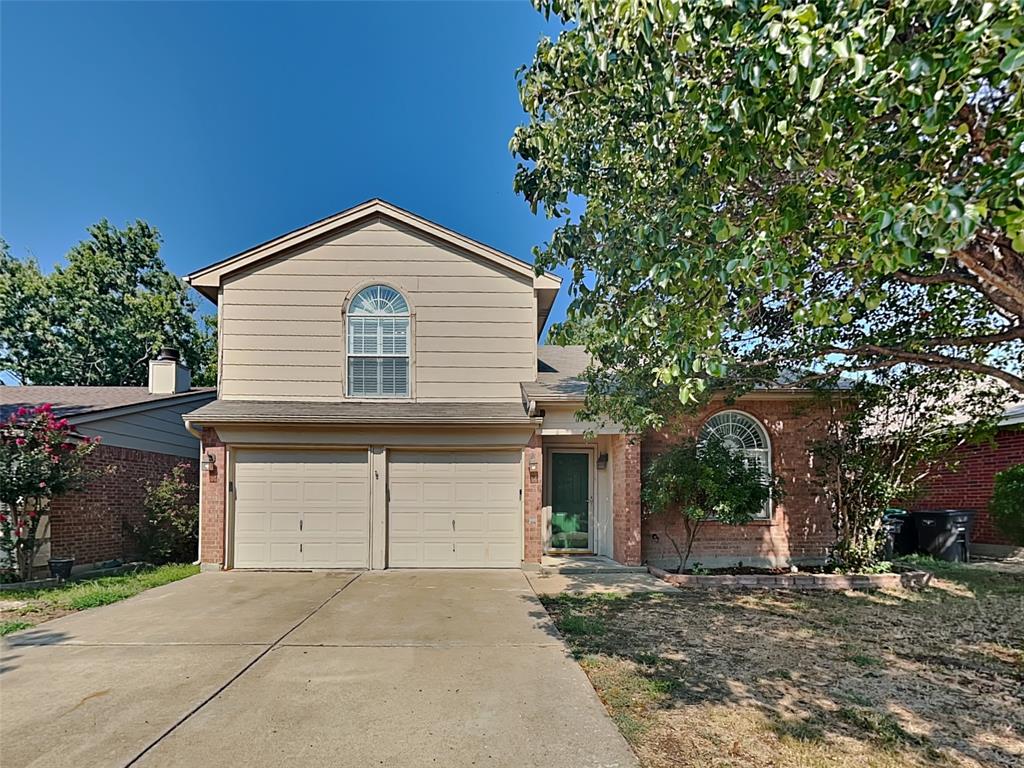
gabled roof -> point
(208, 279)
(84, 403)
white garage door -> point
(302, 509)
(454, 509)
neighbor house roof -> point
(558, 374)
(77, 402)
(300, 412)
(560, 371)
(1013, 415)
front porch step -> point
(551, 565)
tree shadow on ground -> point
(886, 678)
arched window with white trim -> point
(378, 343)
(744, 434)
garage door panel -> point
(285, 491)
(328, 491)
(454, 509)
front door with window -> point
(570, 500)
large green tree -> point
(781, 188)
(97, 319)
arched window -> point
(744, 434)
(378, 343)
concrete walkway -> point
(398, 668)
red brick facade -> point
(800, 527)
(625, 462)
(533, 500)
(213, 493)
(968, 483)
(92, 525)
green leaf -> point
(1013, 61)
(860, 65)
(816, 86)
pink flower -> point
(21, 412)
(21, 442)
(42, 483)
(33, 514)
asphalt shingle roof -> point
(558, 372)
(76, 401)
(297, 411)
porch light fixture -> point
(602, 461)
(208, 463)
(533, 467)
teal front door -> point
(570, 500)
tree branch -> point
(930, 360)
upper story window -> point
(744, 434)
(378, 343)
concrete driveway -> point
(396, 668)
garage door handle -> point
(300, 525)
(453, 523)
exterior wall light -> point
(602, 461)
(533, 468)
(209, 462)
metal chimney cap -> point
(168, 353)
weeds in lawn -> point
(581, 625)
(39, 605)
(811, 680)
(881, 726)
(6, 627)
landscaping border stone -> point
(801, 581)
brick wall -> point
(800, 528)
(533, 501)
(213, 500)
(968, 483)
(92, 525)
(626, 526)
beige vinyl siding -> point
(158, 430)
(283, 328)
(561, 420)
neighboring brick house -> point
(968, 482)
(383, 402)
(142, 438)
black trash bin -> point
(945, 533)
(899, 532)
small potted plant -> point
(60, 567)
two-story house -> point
(383, 402)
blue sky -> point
(225, 124)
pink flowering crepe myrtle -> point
(41, 456)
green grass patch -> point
(92, 593)
(981, 581)
(881, 726)
(6, 627)
(574, 624)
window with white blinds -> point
(378, 343)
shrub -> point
(701, 482)
(1007, 504)
(170, 532)
(41, 456)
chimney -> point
(167, 374)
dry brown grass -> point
(789, 679)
